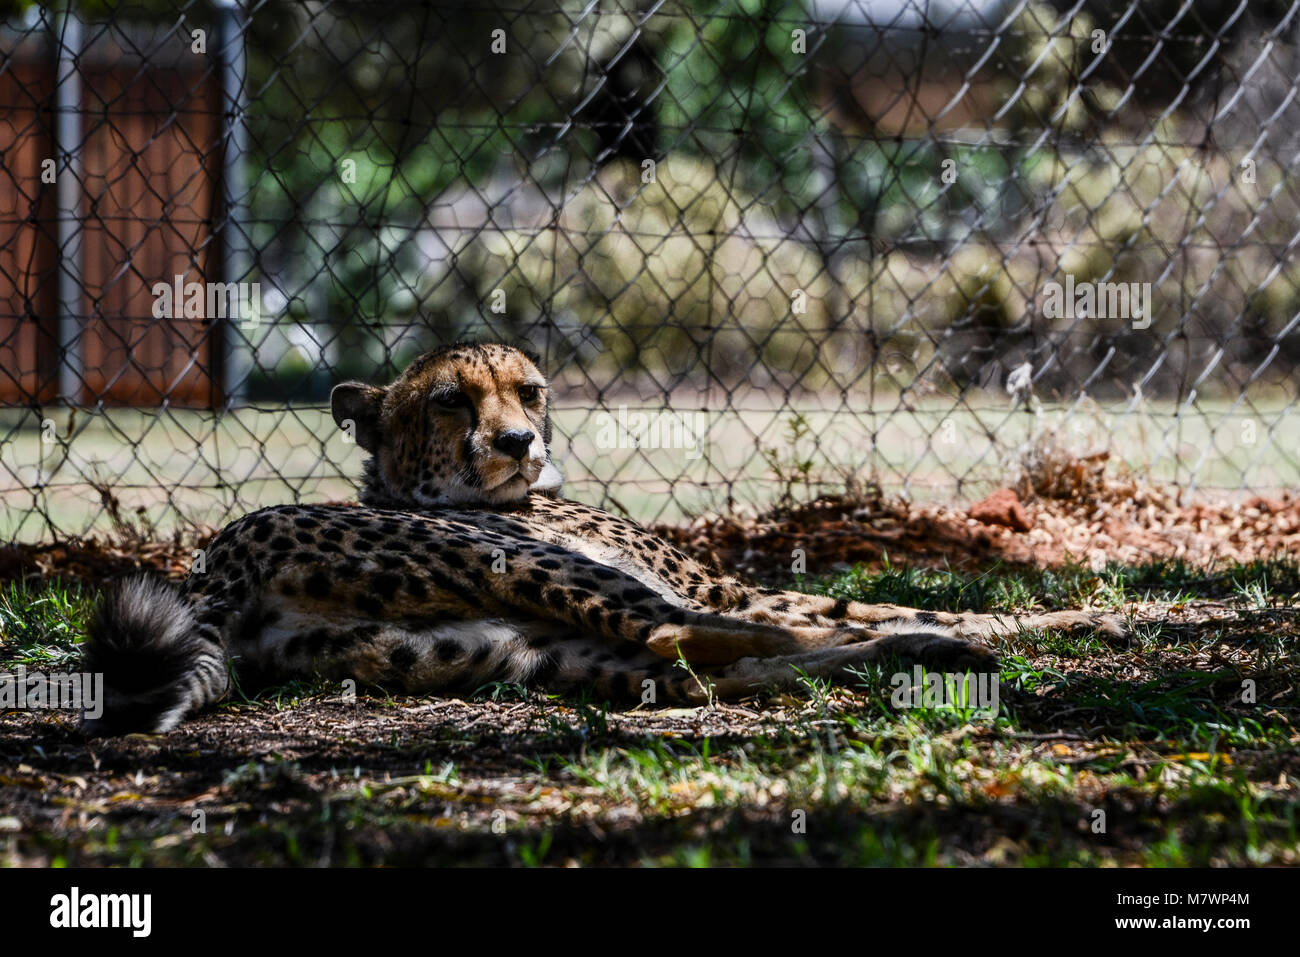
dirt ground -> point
(1152, 733)
(318, 780)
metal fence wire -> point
(766, 247)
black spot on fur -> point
(530, 592)
(626, 650)
(317, 585)
(385, 585)
(316, 641)
(402, 658)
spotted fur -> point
(462, 566)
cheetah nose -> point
(513, 442)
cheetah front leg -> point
(796, 609)
(750, 675)
(576, 664)
(614, 604)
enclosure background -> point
(820, 236)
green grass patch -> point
(1259, 584)
(42, 624)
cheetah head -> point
(464, 424)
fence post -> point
(237, 262)
(68, 134)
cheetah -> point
(463, 565)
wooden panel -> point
(151, 163)
(28, 236)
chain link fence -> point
(766, 248)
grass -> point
(1149, 752)
(220, 466)
(1259, 584)
(41, 625)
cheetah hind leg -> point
(796, 609)
(719, 639)
(462, 656)
(935, 650)
(623, 672)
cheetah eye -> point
(450, 399)
(529, 393)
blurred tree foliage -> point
(365, 117)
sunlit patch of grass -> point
(1258, 584)
(42, 624)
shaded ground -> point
(1181, 746)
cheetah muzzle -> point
(463, 566)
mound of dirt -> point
(1120, 522)
(1128, 525)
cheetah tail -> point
(156, 663)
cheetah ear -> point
(358, 404)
